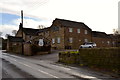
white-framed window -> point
(58, 40)
(86, 40)
(108, 42)
(71, 40)
(113, 43)
(86, 32)
(78, 30)
(53, 40)
(41, 42)
(70, 29)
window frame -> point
(70, 40)
(58, 40)
(86, 32)
(53, 40)
(70, 29)
(85, 40)
(78, 30)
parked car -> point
(88, 45)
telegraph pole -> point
(22, 31)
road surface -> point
(27, 68)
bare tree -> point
(7, 35)
(14, 32)
(115, 31)
(41, 26)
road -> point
(14, 66)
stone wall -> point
(103, 42)
(78, 38)
(27, 49)
(55, 35)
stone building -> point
(63, 34)
(3, 43)
(14, 44)
(28, 33)
(116, 39)
(67, 34)
(102, 39)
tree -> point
(41, 26)
(7, 35)
(115, 31)
(14, 32)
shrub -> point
(104, 58)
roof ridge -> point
(30, 28)
(68, 20)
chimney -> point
(20, 26)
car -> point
(88, 45)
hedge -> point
(104, 58)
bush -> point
(104, 58)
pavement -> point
(45, 66)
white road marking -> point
(75, 73)
(48, 74)
(84, 76)
(62, 67)
(43, 61)
(35, 69)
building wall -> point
(0, 43)
(15, 47)
(78, 38)
(55, 35)
(19, 34)
(103, 42)
(8, 45)
(64, 35)
(25, 37)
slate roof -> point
(100, 34)
(68, 23)
(30, 31)
(15, 39)
(43, 30)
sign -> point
(41, 43)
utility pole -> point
(22, 31)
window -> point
(108, 42)
(55, 28)
(113, 42)
(71, 40)
(41, 43)
(30, 37)
(85, 31)
(14, 44)
(86, 40)
(102, 41)
(70, 30)
(58, 40)
(53, 40)
(78, 30)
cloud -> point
(31, 23)
(7, 29)
(100, 15)
(28, 23)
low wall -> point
(104, 58)
(27, 49)
(16, 49)
(31, 49)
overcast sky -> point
(99, 15)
